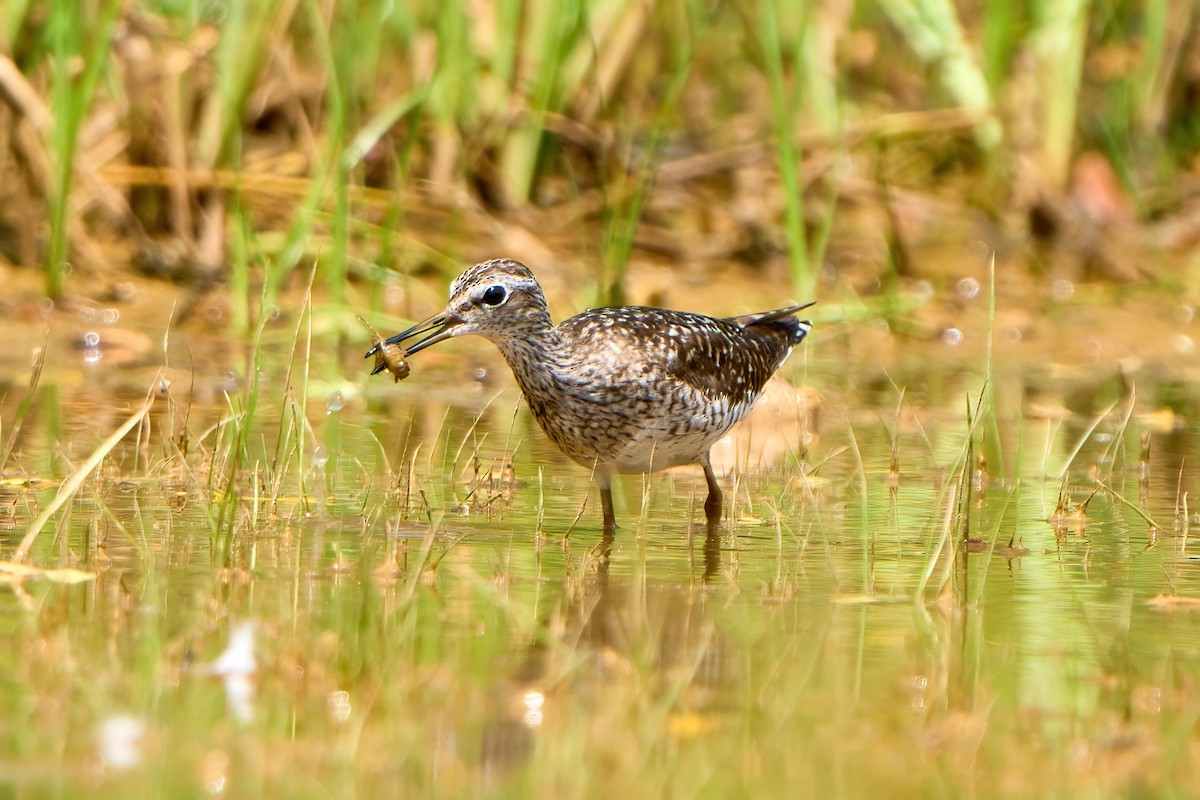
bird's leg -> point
(712, 506)
(712, 553)
(610, 519)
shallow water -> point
(894, 604)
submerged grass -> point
(75, 480)
(26, 406)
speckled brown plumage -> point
(628, 389)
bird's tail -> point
(801, 326)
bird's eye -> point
(494, 295)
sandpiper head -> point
(498, 299)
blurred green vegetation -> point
(211, 142)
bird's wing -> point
(729, 361)
(723, 359)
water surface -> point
(938, 574)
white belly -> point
(652, 454)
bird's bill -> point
(435, 329)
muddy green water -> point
(382, 607)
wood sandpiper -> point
(619, 390)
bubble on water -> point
(238, 656)
(109, 316)
(239, 696)
(124, 291)
(119, 741)
(338, 703)
(481, 375)
(1149, 699)
(952, 337)
(320, 457)
(236, 666)
(1185, 314)
(214, 772)
(534, 702)
(844, 164)
(967, 289)
(979, 249)
(923, 289)
(91, 347)
(87, 315)
(1080, 756)
(337, 401)
(1062, 290)
(1183, 344)
(1014, 334)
